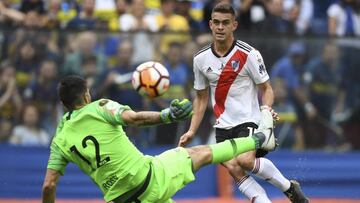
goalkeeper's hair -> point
(70, 90)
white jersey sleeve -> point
(200, 80)
(256, 67)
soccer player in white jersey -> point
(233, 70)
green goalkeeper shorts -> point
(171, 171)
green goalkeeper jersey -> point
(92, 137)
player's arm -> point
(118, 114)
(200, 105)
(55, 168)
(49, 186)
(257, 71)
(268, 98)
(142, 118)
(178, 111)
(267, 93)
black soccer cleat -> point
(295, 194)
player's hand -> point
(186, 138)
(274, 114)
(177, 111)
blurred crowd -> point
(300, 17)
(313, 67)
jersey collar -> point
(227, 53)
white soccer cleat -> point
(266, 127)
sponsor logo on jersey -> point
(110, 182)
(235, 64)
(222, 66)
(209, 70)
(258, 57)
(262, 69)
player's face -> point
(222, 26)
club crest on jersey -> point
(235, 64)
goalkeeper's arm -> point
(49, 186)
(177, 111)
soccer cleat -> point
(265, 132)
(295, 194)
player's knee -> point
(247, 163)
(201, 153)
(233, 167)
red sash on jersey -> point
(226, 79)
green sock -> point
(225, 151)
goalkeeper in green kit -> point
(90, 135)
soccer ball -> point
(151, 79)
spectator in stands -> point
(288, 131)
(137, 20)
(28, 133)
(59, 13)
(290, 68)
(116, 82)
(10, 100)
(47, 46)
(153, 6)
(282, 16)
(53, 9)
(85, 47)
(35, 13)
(26, 61)
(323, 78)
(42, 93)
(85, 18)
(116, 85)
(167, 20)
(344, 18)
(190, 48)
(299, 13)
(32, 5)
(277, 19)
(183, 8)
(105, 9)
(10, 16)
(121, 8)
(90, 74)
(251, 14)
(179, 79)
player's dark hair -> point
(223, 8)
(70, 90)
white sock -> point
(265, 169)
(252, 190)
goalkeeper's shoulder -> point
(107, 104)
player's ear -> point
(235, 25)
(87, 97)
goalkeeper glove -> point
(177, 111)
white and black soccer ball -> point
(151, 79)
